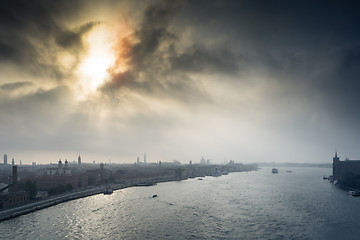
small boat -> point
(354, 193)
(289, 171)
(216, 174)
(275, 170)
(225, 173)
(108, 190)
(155, 195)
(199, 178)
(144, 184)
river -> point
(253, 205)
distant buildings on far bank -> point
(12, 160)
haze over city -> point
(240, 80)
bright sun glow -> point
(93, 69)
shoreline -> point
(52, 201)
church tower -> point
(336, 167)
(336, 158)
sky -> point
(250, 81)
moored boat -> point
(108, 190)
(354, 193)
(275, 170)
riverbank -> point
(41, 204)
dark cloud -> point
(14, 86)
(156, 67)
(284, 72)
(154, 29)
(28, 31)
(72, 39)
(199, 59)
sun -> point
(93, 70)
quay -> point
(97, 180)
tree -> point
(69, 187)
(31, 188)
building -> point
(342, 168)
(79, 161)
(60, 176)
(46, 183)
(60, 170)
(5, 159)
(13, 197)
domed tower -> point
(60, 166)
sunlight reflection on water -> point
(254, 205)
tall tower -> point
(336, 158)
(13, 161)
(144, 158)
(336, 167)
(5, 159)
(138, 161)
(14, 187)
(79, 161)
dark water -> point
(254, 205)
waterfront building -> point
(5, 159)
(144, 158)
(13, 199)
(13, 161)
(60, 176)
(60, 170)
(13, 196)
(48, 182)
(341, 168)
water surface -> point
(253, 205)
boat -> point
(155, 195)
(144, 184)
(275, 170)
(108, 190)
(354, 193)
(225, 173)
(289, 171)
(200, 179)
(217, 174)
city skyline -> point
(241, 80)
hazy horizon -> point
(250, 81)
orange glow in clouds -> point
(93, 69)
(107, 55)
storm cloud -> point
(251, 81)
(32, 35)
